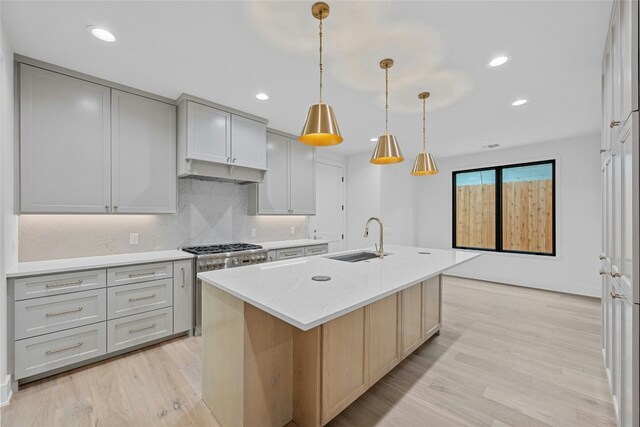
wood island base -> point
(261, 371)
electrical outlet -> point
(133, 238)
(253, 232)
(293, 231)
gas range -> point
(218, 257)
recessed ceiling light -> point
(374, 140)
(519, 102)
(498, 61)
(102, 34)
(262, 96)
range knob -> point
(253, 257)
(235, 261)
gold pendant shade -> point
(424, 164)
(321, 127)
(387, 149)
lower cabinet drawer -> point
(51, 314)
(59, 349)
(138, 298)
(139, 328)
(56, 284)
(290, 253)
(316, 250)
(139, 273)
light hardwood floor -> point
(506, 356)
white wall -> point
(363, 199)
(575, 268)
(8, 220)
(399, 211)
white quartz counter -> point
(292, 243)
(285, 290)
(73, 264)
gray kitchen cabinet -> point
(65, 146)
(89, 148)
(248, 143)
(208, 133)
(143, 138)
(219, 142)
(183, 298)
(273, 193)
(289, 184)
(302, 170)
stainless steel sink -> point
(355, 257)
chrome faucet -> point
(379, 251)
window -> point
(506, 208)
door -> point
(273, 192)
(329, 222)
(65, 145)
(616, 347)
(183, 302)
(248, 143)
(208, 133)
(412, 320)
(629, 368)
(616, 252)
(302, 184)
(143, 140)
(629, 192)
(384, 342)
(606, 99)
(628, 41)
(432, 305)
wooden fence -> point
(527, 216)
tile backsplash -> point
(208, 212)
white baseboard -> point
(5, 391)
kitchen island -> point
(279, 346)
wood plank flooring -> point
(506, 356)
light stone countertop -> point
(282, 244)
(35, 268)
(285, 290)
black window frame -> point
(498, 219)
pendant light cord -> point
(320, 60)
(386, 101)
(424, 127)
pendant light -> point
(387, 149)
(321, 127)
(424, 165)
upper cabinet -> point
(143, 161)
(218, 142)
(620, 71)
(289, 186)
(65, 146)
(88, 148)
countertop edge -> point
(328, 318)
(283, 244)
(91, 263)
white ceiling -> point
(229, 51)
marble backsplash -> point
(208, 212)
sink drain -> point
(321, 278)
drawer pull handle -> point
(184, 277)
(58, 285)
(144, 328)
(141, 298)
(58, 350)
(614, 295)
(141, 274)
(60, 313)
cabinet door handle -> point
(57, 285)
(106, 207)
(184, 277)
(603, 273)
(60, 313)
(58, 350)
(234, 160)
(613, 274)
(614, 123)
(144, 328)
(142, 298)
(614, 295)
(602, 257)
(228, 159)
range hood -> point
(208, 171)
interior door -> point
(329, 222)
